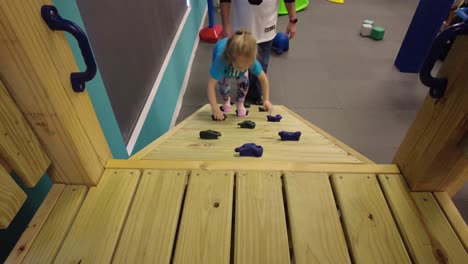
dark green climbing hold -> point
(247, 124)
(261, 109)
(246, 105)
(209, 134)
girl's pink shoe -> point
(226, 107)
(241, 111)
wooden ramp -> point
(315, 146)
(187, 200)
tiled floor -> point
(345, 84)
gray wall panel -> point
(130, 40)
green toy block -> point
(369, 22)
(377, 33)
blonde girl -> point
(232, 58)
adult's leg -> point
(264, 52)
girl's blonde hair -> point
(241, 43)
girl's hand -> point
(267, 106)
(218, 115)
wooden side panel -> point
(23, 245)
(454, 217)
(440, 228)
(316, 231)
(260, 231)
(12, 198)
(431, 155)
(149, 232)
(18, 144)
(48, 242)
(35, 65)
(96, 229)
(420, 242)
(371, 231)
(205, 229)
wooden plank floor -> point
(315, 146)
(225, 216)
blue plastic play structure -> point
(423, 29)
(280, 43)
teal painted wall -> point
(157, 123)
(160, 114)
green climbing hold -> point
(300, 5)
(377, 33)
(209, 134)
(247, 124)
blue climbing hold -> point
(275, 118)
(290, 136)
(250, 150)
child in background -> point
(232, 58)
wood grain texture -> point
(339, 143)
(23, 245)
(64, 121)
(230, 154)
(453, 252)
(150, 229)
(140, 154)
(371, 232)
(183, 142)
(257, 164)
(317, 235)
(430, 156)
(96, 229)
(453, 216)
(50, 238)
(260, 231)
(12, 198)
(18, 143)
(5, 165)
(422, 245)
(205, 228)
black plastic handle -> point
(439, 85)
(56, 22)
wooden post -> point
(11, 198)
(431, 156)
(35, 65)
(18, 144)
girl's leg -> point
(242, 89)
(225, 91)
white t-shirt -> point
(257, 16)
